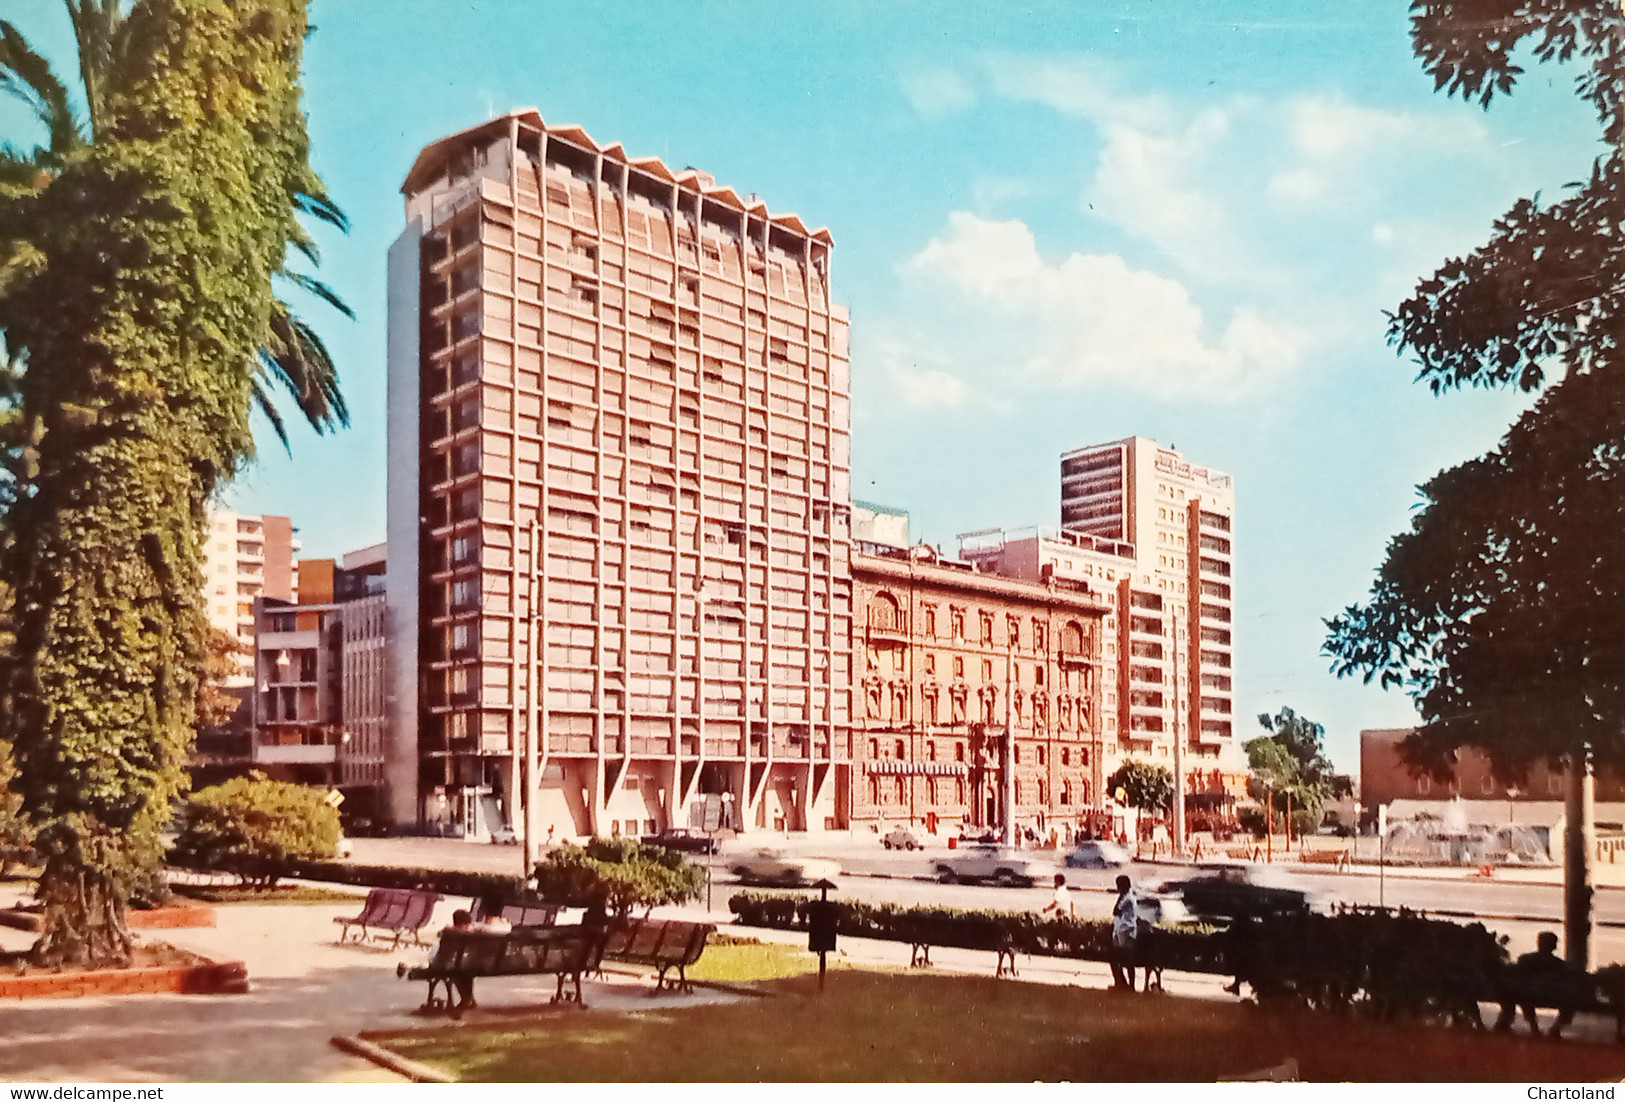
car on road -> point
(1002, 865)
(504, 836)
(1237, 890)
(900, 839)
(683, 840)
(1096, 855)
(775, 866)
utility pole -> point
(1009, 750)
(1579, 841)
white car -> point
(900, 839)
(775, 866)
(1003, 865)
(1096, 855)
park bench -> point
(462, 956)
(400, 912)
(1575, 992)
(663, 944)
(524, 912)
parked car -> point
(775, 866)
(684, 840)
(504, 836)
(1096, 855)
(1002, 865)
(1243, 891)
(900, 839)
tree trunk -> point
(1579, 833)
(82, 918)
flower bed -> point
(173, 917)
(157, 969)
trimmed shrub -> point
(252, 827)
(617, 875)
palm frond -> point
(96, 24)
(25, 74)
(296, 358)
(262, 399)
(320, 290)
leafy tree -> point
(1145, 786)
(14, 832)
(1499, 610)
(137, 262)
(618, 875)
(1290, 762)
(216, 706)
(251, 827)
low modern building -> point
(1385, 777)
(320, 700)
(962, 675)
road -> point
(878, 876)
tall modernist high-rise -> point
(618, 495)
(1179, 517)
(1151, 533)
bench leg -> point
(1007, 963)
(919, 956)
(682, 980)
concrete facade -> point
(619, 503)
(245, 557)
(1150, 535)
(950, 661)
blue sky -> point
(1055, 224)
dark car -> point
(683, 840)
(1242, 891)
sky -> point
(1055, 225)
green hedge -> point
(1187, 949)
(448, 882)
(1393, 963)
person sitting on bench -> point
(1542, 964)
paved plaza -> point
(306, 988)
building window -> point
(931, 750)
(957, 620)
(1040, 755)
(987, 669)
(930, 664)
(959, 667)
(900, 751)
(1066, 756)
(874, 749)
(874, 790)
(931, 622)
(959, 753)
(987, 629)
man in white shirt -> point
(1061, 902)
(1125, 929)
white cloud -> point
(1093, 319)
(937, 92)
(1337, 144)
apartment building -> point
(1151, 534)
(962, 676)
(246, 557)
(320, 680)
(618, 495)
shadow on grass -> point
(870, 1027)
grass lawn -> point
(740, 960)
(241, 893)
(872, 1026)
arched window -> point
(884, 614)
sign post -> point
(821, 928)
(1382, 854)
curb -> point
(389, 1061)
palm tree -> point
(294, 358)
(143, 249)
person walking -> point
(1125, 934)
(1061, 901)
